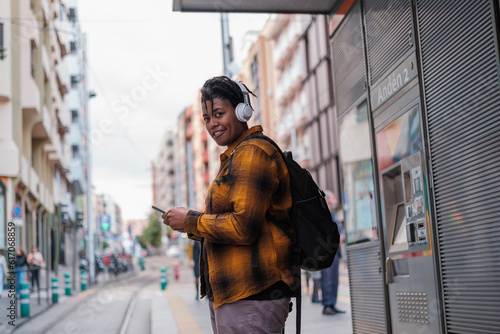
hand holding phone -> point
(158, 209)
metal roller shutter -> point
(349, 61)
(388, 34)
(462, 93)
(367, 289)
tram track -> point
(71, 311)
(139, 282)
(131, 306)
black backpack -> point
(315, 237)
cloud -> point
(127, 40)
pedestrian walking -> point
(246, 260)
(330, 276)
(316, 278)
(3, 272)
(35, 261)
(21, 267)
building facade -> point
(40, 176)
(165, 172)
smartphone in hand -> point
(158, 209)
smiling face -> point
(221, 122)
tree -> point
(152, 234)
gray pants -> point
(250, 316)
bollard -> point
(83, 279)
(164, 278)
(55, 292)
(176, 271)
(141, 263)
(67, 285)
(25, 299)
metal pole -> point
(90, 220)
(73, 269)
(226, 44)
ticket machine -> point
(410, 267)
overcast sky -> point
(146, 64)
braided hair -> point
(223, 88)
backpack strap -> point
(226, 177)
(282, 226)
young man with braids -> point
(246, 260)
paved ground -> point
(176, 310)
(192, 317)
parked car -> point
(174, 251)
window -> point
(62, 11)
(32, 58)
(74, 116)
(72, 46)
(360, 220)
(74, 150)
(255, 71)
(75, 79)
(2, 55)
(72, 14)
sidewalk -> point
(175, 310)
(191, 316)
(41, 301)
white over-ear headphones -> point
(243, 110)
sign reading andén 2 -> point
(394, 82)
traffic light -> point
(79, 219)
(105, 221)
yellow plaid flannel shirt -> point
(235, 218)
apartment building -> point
(195, 156)
(257, 72)
(304, 95)
(289, 68)
(37, 92)
(165, 172)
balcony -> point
(62, 38)
(77, 174)
(30, 93)
(62, 77)
(47, 121)
(28, 29)
(76, 133)
(49, 200)
(25, 176)
(42, 193)
(34, 183)
(45, 9)
(45, 59)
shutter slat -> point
(462, 97)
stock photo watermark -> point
(121, 107)
(11, 278)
